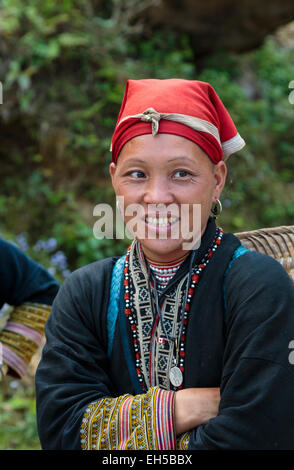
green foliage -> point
(255, 89)
(64, 79)
(18, 428)
(64, 66)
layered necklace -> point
(159, 331)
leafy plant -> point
(64, 69)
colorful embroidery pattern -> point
(146, 421)
(22, 335)
(153, 351)
(130, 423)
(183, 441)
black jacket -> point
(241, 323)
(22, 279)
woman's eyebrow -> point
(134, 160)
(181, 157)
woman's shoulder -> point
(11, 255)
(96, 271)
(85, 292)
(256, 266)
(95, 268)
(91, 278)
(257, 277)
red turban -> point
(187, 108)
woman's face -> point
(174, 172)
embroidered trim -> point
(31, 315)
(112, 312)
(14, 361)
(241, 250)
(183, 441)
(153, 351)
(143, 422)
(24, 331)
(23, 334)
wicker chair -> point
(277, 242)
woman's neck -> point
(164, 262)
(164, 271)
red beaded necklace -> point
(196, 273)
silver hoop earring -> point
(216, 209)
(118, 208)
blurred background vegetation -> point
(63, 67)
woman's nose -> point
(157, 191)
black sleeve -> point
(73, 370)
(22, 279)
(257, 407)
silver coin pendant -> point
(176, 376)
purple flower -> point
(50, 245)
(38, 246)
(59, 260)
(21, 241)
(66, 273)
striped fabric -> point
(143, 422)
(163, 273)
(163, 420)
(124, 417)
(22, 335)
(14, 361)
(25, 331)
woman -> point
(30, 289)
(170, 347)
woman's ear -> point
(112, 170)
(220, 174)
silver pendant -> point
(176, 376)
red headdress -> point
(188, 108)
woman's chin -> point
(163, 250)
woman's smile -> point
(165, 222)
(161, 226)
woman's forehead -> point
(167, 147)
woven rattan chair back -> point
(277, 242)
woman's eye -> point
(137, 174)
(182, 173)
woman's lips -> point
(160, 225)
